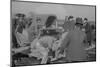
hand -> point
(61, 51)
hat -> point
(20, 15)
(79, 21)
(70, 17)
(38, 19)
(85, 19)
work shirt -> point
(75, 46)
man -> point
(21, 22)
(88, 30)
(66, 18)
(17, 26)
(69, 25)
(74, 44)
(14, 25)
(22, 31)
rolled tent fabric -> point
(47, 41)
(39, 51)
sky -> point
(57, 9)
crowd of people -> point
(49, 42)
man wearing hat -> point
(74, 44)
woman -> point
(50, 21)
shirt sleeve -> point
(65, 41)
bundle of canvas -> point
(40, 47)
(57, 45)
(37, 50)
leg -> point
(44, 58)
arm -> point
(65, 42)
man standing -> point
(88, 30)
(74, 44)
